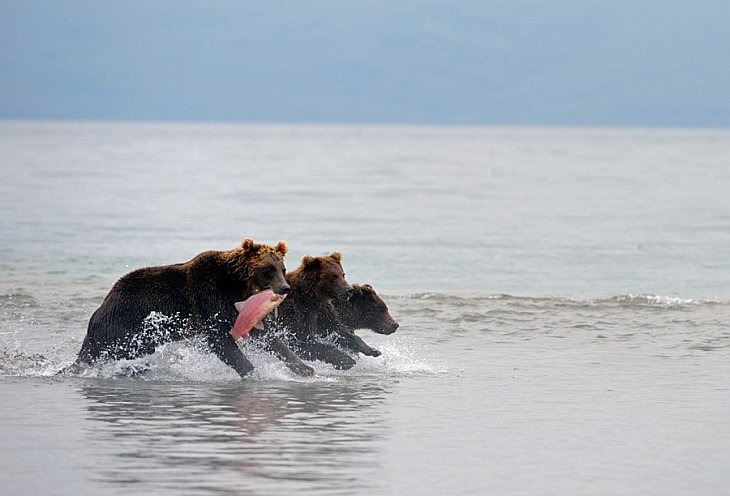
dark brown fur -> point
(198, 295)
(366, 310)
(315, 285)
(309, 313)
(363, 310)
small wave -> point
(423, 296)
(17, 299)
(429, 295)
(624, 299)
(658, 300)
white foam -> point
(190, 361)
(400, 355)
(659, 300)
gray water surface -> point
(562, 294)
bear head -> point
(263, 266)
(322, 278)
(369, 311)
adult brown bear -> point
(155, 305)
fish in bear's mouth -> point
(251, 312)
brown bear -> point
(309, 311)
(363, 310)
(366, 310)
(155, 305)
(322, 304)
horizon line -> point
(363, 124)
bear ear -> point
(248, 244)
(337, 256)
(310, 262)
(282, 248)
(368, 287)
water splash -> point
(190, 361)
(17, 362)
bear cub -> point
(309, 312)
(363, 310)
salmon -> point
(253, 310)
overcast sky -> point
(583, 62)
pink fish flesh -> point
(253, 310)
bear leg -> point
(328, 353)
(351, 341)
(225, 347)
(280, 350)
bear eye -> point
(269, 271)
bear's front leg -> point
(280, 349)
(225, 347)
(351, 341)
(314, 350)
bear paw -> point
(303, 370)
(371, 352)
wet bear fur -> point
(196, 297)
(309, 312)
(322, 304)
(363, 310)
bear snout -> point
(285, 289)
(390, 327)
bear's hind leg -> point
(88, 355)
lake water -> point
(563, 295)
